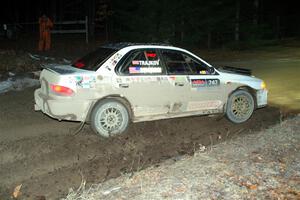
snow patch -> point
(17, 84)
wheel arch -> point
(117, 97)
(252, 91)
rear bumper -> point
(262, 98)
(61, 109)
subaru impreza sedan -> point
(125, 82)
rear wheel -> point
(240, 106)
(109, 118)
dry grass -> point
(262, 165)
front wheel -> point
(240, 106)
(109, 118)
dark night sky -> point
(59, 10)
(29, 10)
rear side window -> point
(142, 62)
(92, 60)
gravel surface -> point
(261, 165)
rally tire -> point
(109, 117)
(240, 106)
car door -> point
(143, 81)
(196, 88)
(206, 88)
(178, 72)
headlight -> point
(263, 85)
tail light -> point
(62, 90)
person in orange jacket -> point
(45, 36)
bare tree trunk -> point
(16, 13)
(209, 39)
(255, 13)
(182, 30)
(61, 13)
(53, 10)
(237, 22)
(174, 35)
(106, 30)
(91, 16)
(278, 34)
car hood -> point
(234, 70)
(251, 81)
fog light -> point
(263, 85)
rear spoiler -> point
(59, 69)
(235, 70)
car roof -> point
(127, 46)
(121, 45)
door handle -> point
(124, 85)
(179, 84)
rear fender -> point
(119, 98)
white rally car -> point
(122, 83)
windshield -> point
(92, 60)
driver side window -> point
(180, 63)
(196, 66)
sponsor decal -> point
(151, 69)
(204, 105)
(115, 59)
(119, 80)
(177, 78)
(84, 81)
(205, 82)
(146, 62)
(144, 70)
(147, 79)
(108, 68)
(212, 82)
(134, 70)
(198, 82)
(140, 79)
(135, 62)
(118, 56)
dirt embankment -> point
(47, 159)
(262, 165)
(17, 62)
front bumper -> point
(61, 108)
(262, 98)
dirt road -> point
(261, 165)
(47, 158)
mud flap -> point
(36, 107)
